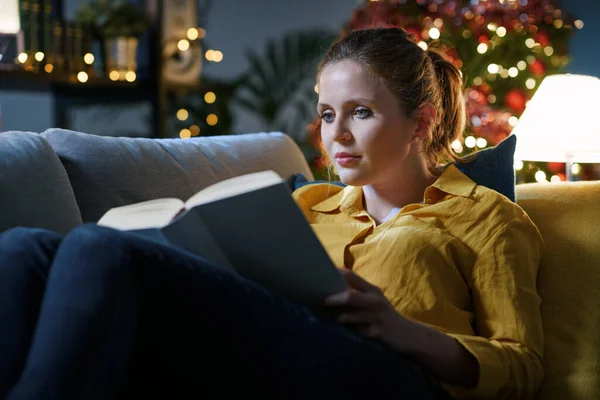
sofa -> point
(59, 179)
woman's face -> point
(364, 129)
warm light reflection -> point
(185, 133)
(82, 77)
(470, 142)
(130, 76)
(212, 119)
(540, 176)
(192, 33)
(210, 97)
(182, 114)
(89, 58)
(183, 45)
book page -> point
(148, 214)
(234, 187)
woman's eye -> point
(363, 113)
(327, 117)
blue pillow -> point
(491, 167)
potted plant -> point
(118, 24)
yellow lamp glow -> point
(559, 124)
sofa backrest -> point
(107, 172)
(34, 187)
(568, 217)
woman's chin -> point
(351, 177)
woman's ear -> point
(426, 120)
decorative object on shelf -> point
(181, 48)
(118, 24)
(11, 38)
(503, 48)
(559, 124)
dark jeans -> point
(103, 314)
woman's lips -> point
(344, 159)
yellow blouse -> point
(465, 262)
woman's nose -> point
(341, 132)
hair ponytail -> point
(452, 118)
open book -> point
(249, 224)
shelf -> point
(42, 81)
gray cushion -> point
(107, 172)
(34, 187)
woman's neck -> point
(381, 198)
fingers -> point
(356, 300)
(357, 282)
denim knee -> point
(21, 245)
(90, 243)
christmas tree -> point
(504, 48)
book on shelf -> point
(250, 225)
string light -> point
(470, 142)
(114, 75)
(183, 45)
(39, 56)
(130, 76)
(530, 43)
(558, 23)
(82, 77)
(457, 146)
(210, 97)
(513, 72)
(482, 48)
(49, 68)
(192, 34)
(185, 133)
(540, 176)
(518, 165)
(22, 57)
(576, 169)
(434, 33)
(88, 58)
(195, 130)
(501, 31)
(182, 114)
(423, 45)
(212, 119)
(493, 68)
(522, 65)
(555, 179)
(481, 143)
(530, 83)
(513, 121)
(548, 50)
(201, 33)
(578, 24)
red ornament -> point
(537, 68)
(415, 31)
(515, 100)
(542, 38)
(483, 39)
(556, 167)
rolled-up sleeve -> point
(509, 345)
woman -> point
(442, 273)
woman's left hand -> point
(364, 308)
